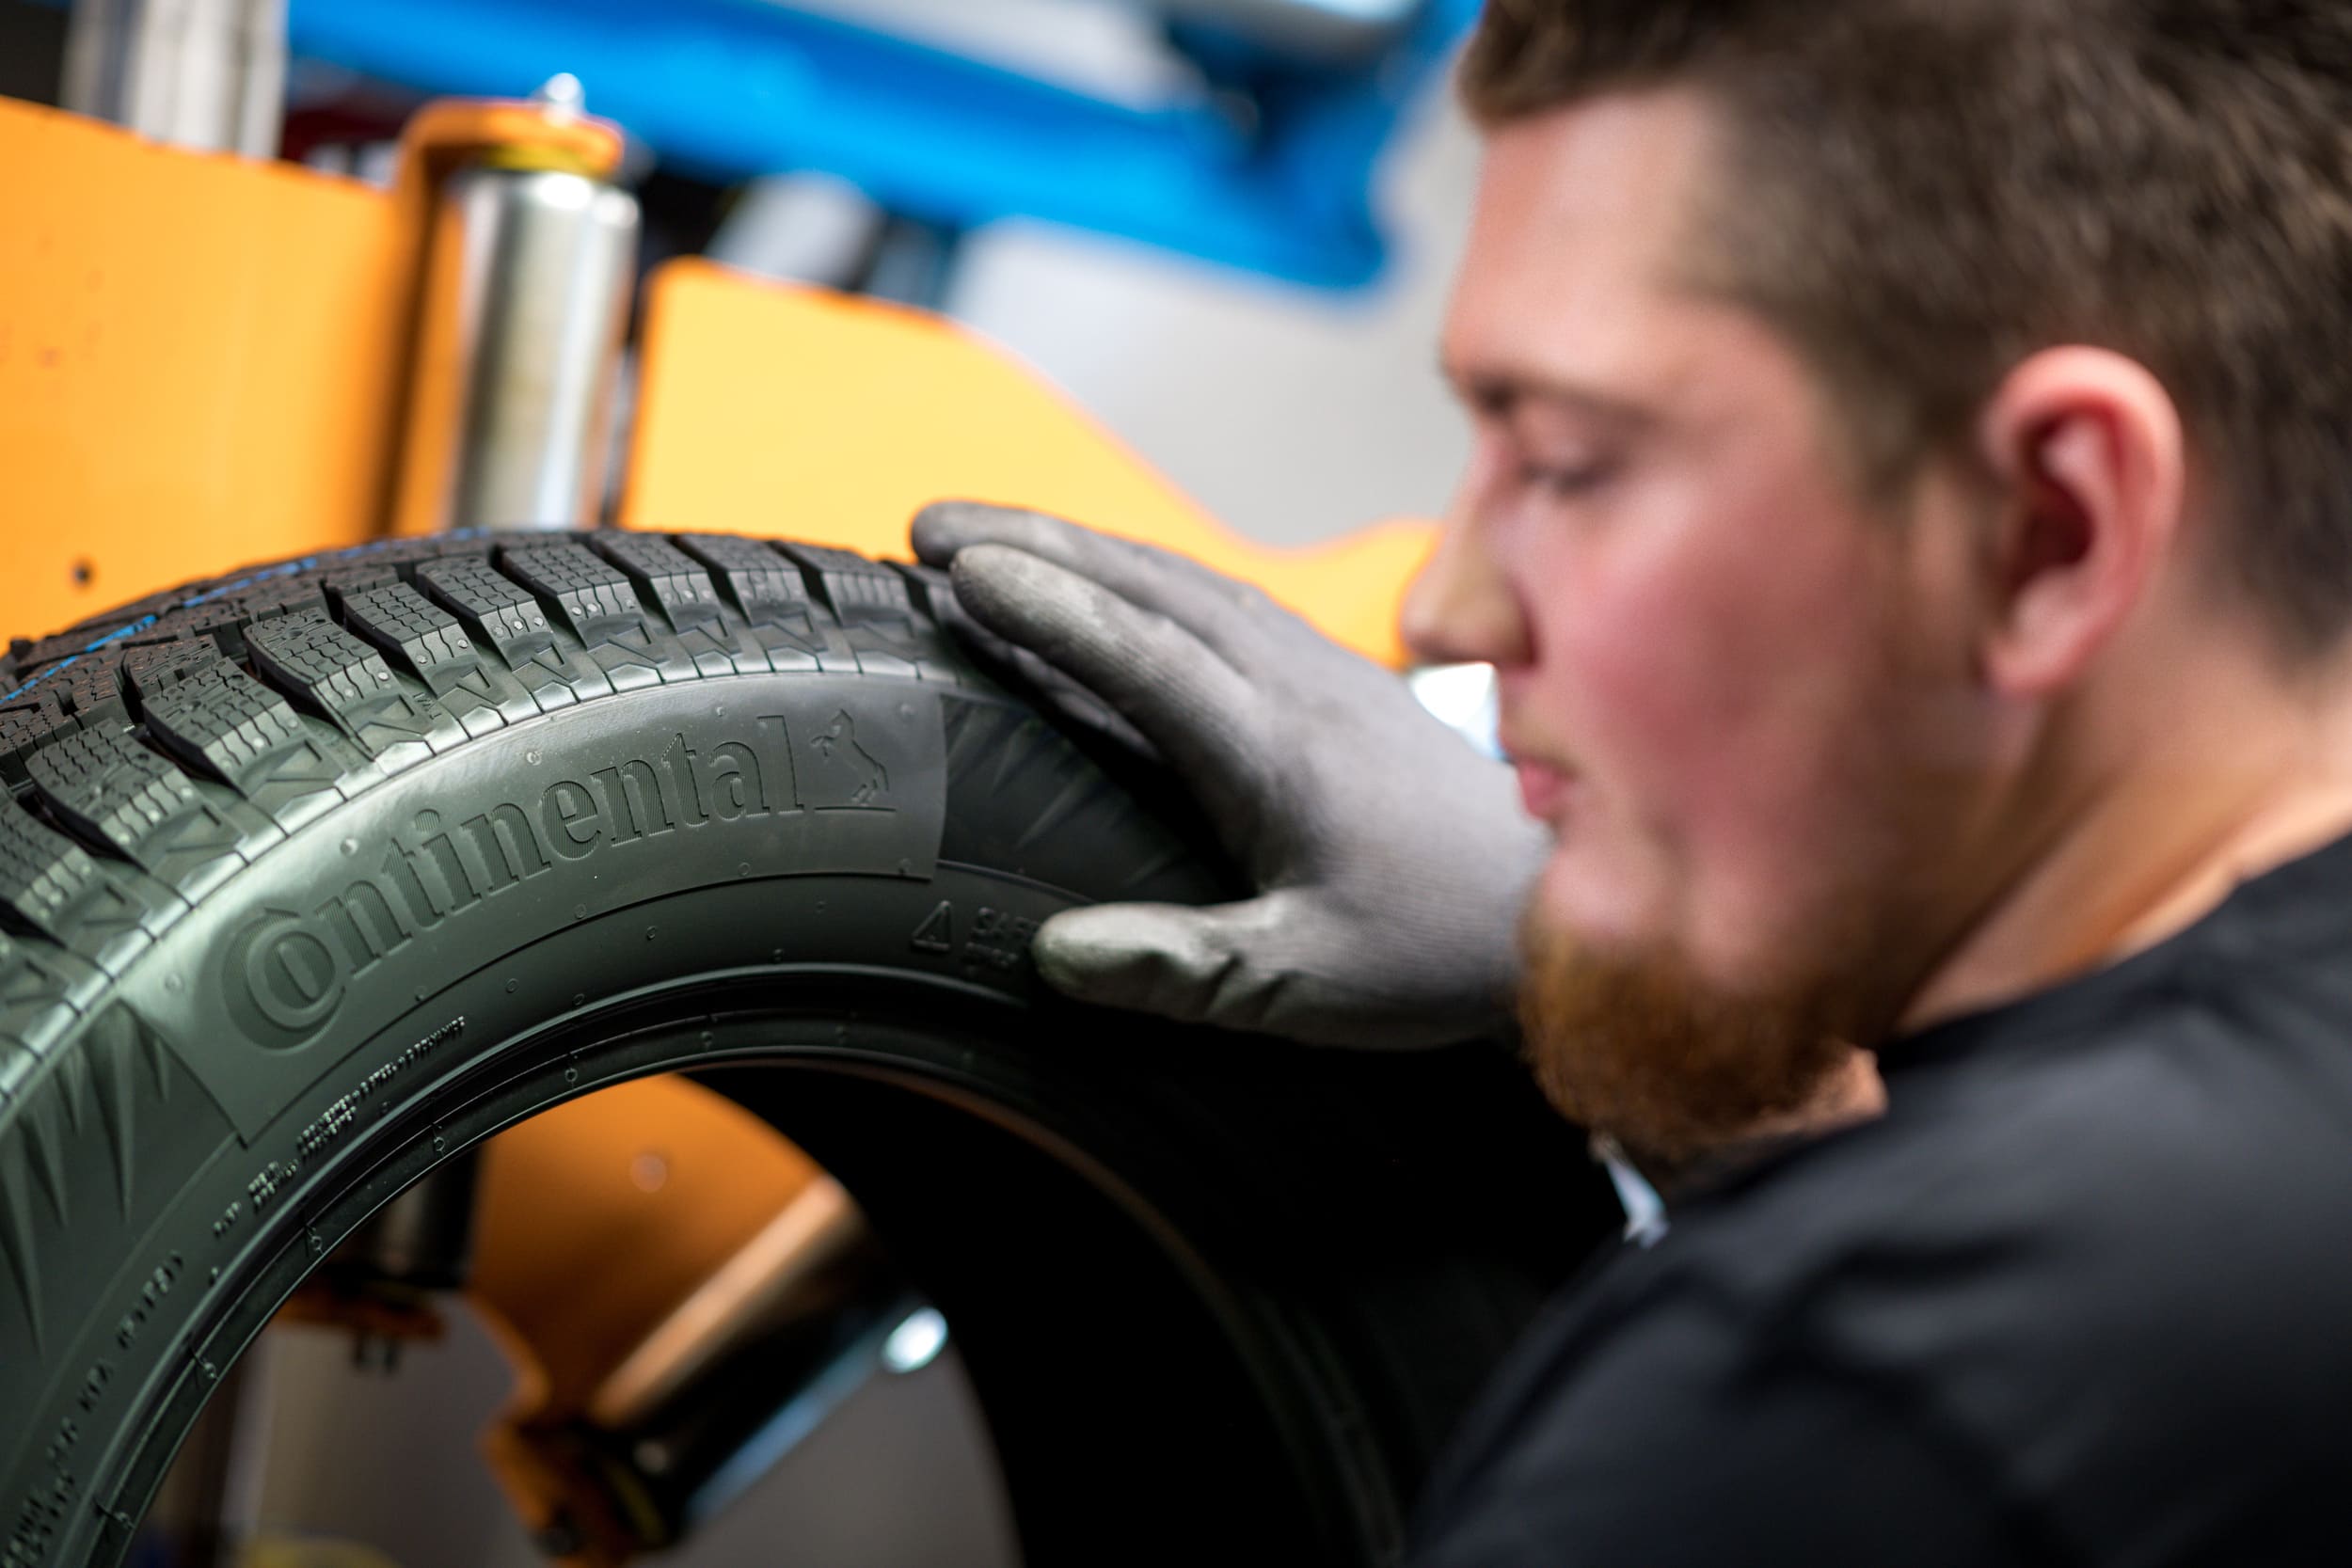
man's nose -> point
(1461, 608)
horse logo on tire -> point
(837, 744)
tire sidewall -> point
(406, 937)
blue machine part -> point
(729, 90)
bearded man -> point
(1911, 522)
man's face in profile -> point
(1735, 685)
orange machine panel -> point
(199, 358)
(660, 1176)
(764, 408)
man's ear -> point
(2086, 449)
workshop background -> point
(1290, 411)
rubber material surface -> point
(313, 875)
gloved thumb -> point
(1193, 965)
(1267, 964)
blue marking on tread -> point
(284, 568)
(114, 636)
(120, 632)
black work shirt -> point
(2083, 1296)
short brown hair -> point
(1930, 190)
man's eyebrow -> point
(1497, 389)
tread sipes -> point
(150, 753)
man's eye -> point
(1578, 480)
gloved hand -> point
(1391, 859)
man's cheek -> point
(1652, 719)
(1694, 783)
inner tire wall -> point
(290, 859)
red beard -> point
(1639, 1049)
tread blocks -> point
(216, 621)
(110, 787)
(856, 590)
(495, 612)
(25, 730)
(932, 590)
(224, 721)
(772, 595)
(32, 654)
(760, 581)
(423, 636)
(318, 663)
(680, 588)
(762, 584)
(118, 794)
(51, 885)
(311, 655)
(588, 594)
(225, 724)
(88, 690)
(82, 690)
(278, 596)
(43, 872)
(874, 604)
(342, 582)
(152, 667)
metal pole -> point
(201, 73)
(525, 304)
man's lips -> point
(1542, 789)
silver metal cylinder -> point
(525, 303)
(203, 73)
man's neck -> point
(2230, 785)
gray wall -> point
(901, 1476)
(1293, 416)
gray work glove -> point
(1391, 859)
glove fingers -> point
(1080, 706)
(1045, 684)
(1186, 700)
(1228, 615)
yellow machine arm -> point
(205, 360)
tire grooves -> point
(332, 671)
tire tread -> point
(150, 752)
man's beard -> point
(1637, 1048)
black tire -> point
(313, 876)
